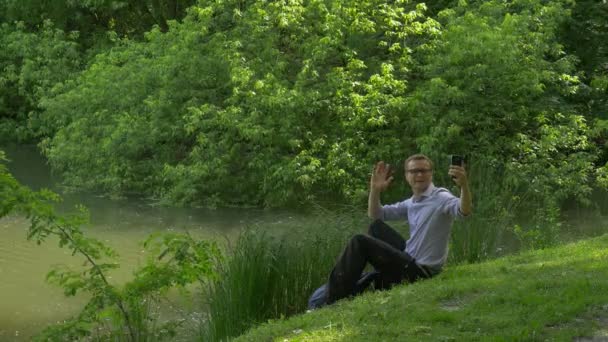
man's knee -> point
(359, 241)
(359, 238)
(375, 226)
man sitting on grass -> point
(429, 213)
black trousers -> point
(383, 248)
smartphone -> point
(456, 160)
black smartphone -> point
(456, 160)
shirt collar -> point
(425, 194)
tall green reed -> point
(270, 276)
(587, 220)
(511, 211)
(495, 207)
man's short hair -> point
(418, 156)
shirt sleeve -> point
(451, 205)
(396, 211)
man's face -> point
(419, 175)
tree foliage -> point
(44, 43)
(93, 18)
(275, 103)
(585, 35)
(285, 102)
(202, 107)
(31, 64)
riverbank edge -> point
(553, 294)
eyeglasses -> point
(419, 171)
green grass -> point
(553, 294)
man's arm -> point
(380, 180)
(374, 207)
(466, 203)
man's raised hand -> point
(382, 176)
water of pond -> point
(28, 303)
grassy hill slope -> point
(553, 294)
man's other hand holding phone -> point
(457, 171)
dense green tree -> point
(492, 72)
(46, 42)
(268, 103)
(585, 36)
(272, 103)
(93, 18)
(31, 64)
(259, 107)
